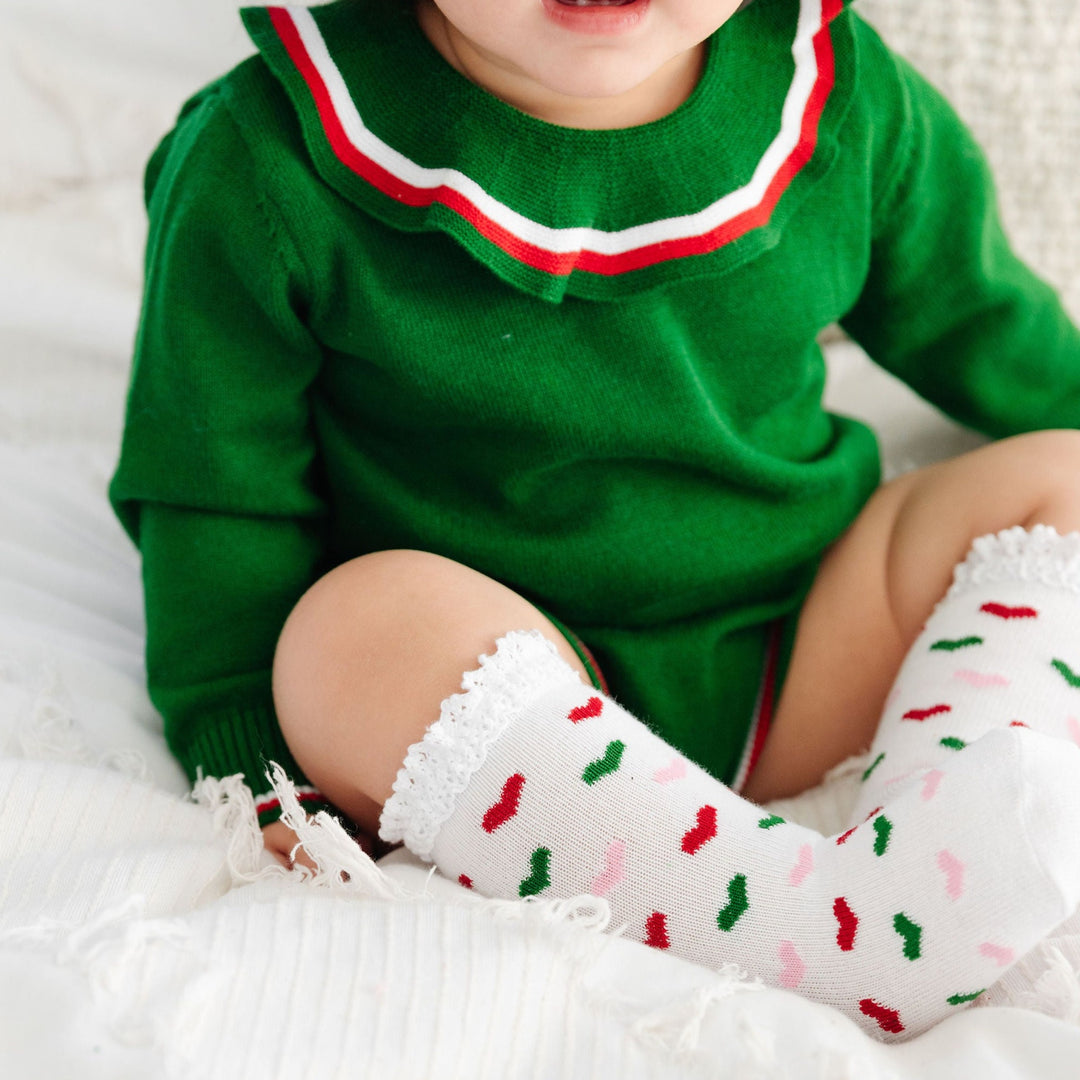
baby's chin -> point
(600, 80)
(594, 83)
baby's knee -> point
(1056, 450)
(1047, 464)
(382, 619)
(370, 652)
(362, 638)
(359, 608)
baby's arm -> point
(283, 843)
(217, 478)
(948, 306)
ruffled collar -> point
(561, 211)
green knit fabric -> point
(560, 177)
(321, 372)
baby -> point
(479, 352)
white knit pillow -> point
(1010, 68)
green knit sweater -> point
(385, 310)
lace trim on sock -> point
(439, 767)
(1039, 555)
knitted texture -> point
(898, 921)
(728, 181)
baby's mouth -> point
(596, 3)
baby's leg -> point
(1000, 650)
(532, 784)
(369, 653)
(878, 585)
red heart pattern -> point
(702, 832)
(593, 707)
(919, 715)
(1003, 611)
(656, 933)
(507, 806)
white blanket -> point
(142, 935)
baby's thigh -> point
(846, 652)
(368, 655)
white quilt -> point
(143, 934)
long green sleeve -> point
(217, 477)
(947, 306)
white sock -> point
(531, 784)
(1001, 649)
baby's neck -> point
(662, 93)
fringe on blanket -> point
(341, 864)
(1047, 980)
(676, 1028)
(41, 723)
(344, 867)
(111, 951)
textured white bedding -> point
(134, 941)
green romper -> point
(384, 309)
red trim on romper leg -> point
(555, 263)
(302, 796)
(768, 696)
(595, 666)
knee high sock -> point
(1001, 650)
(531, 784)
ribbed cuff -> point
(245, 741)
